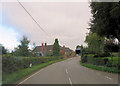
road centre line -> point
(66, 71)
(70, 81)
(108, 77)
(69, 78)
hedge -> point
(102, 61)
(101, 68)
(12, 64)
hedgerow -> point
(12, 64)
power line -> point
(33, 18)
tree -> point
(56, 48)
(106, 19)
(22, 49)
(110, 46)
(78, 46)
(2, 48)
(34, 45)
(95, 43)
(4, 51)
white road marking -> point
(70, 81)
(66, 71)
(69, 77)
(108, 77)
(29, 77)
(34, 74)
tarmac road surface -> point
(70, 72)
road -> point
(70, 72)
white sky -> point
(67, 21)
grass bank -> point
(101, 68)
(16, 76)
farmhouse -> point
(45, 49)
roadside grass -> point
(16, 76)
(101, 68)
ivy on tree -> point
(56, 48)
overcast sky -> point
(67, 21)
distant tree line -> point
(23, 49)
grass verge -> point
(16, 76)
(101, 68)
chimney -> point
(63, 48)
(51, 47)
(45, 47)
(42, 47)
